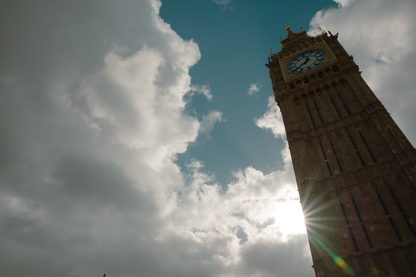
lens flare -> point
(337, 259)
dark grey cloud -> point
(288, 259)
(100, 185)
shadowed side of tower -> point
(354, 167)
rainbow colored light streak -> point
(337, 259)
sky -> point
(142, 136)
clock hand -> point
(306, 60)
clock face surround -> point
(306, 61)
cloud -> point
(208, 122)
(225, 4)
(222, 2)
(344, 3)
(204, 89)
(379, 36)
(252, 211)
(272, 120)
(127, 103)
(254, 88)
(93, 116)
(268, 258)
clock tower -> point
(355, 169)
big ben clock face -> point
(306, 61)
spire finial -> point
(287, 27)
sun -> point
(290, 218)
(285, 211)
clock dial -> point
(306, 61)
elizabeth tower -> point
(354, 168)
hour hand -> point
(306, 60)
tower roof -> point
(289, 31)
(296, 41)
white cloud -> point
(272, 119)
(254, 88)
(125, 97)
(208, 122)
(344, 3)
(225, 4)
(379, 35)
(222, 2)
(257, 207)
(204, 89)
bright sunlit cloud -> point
(272, 119)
